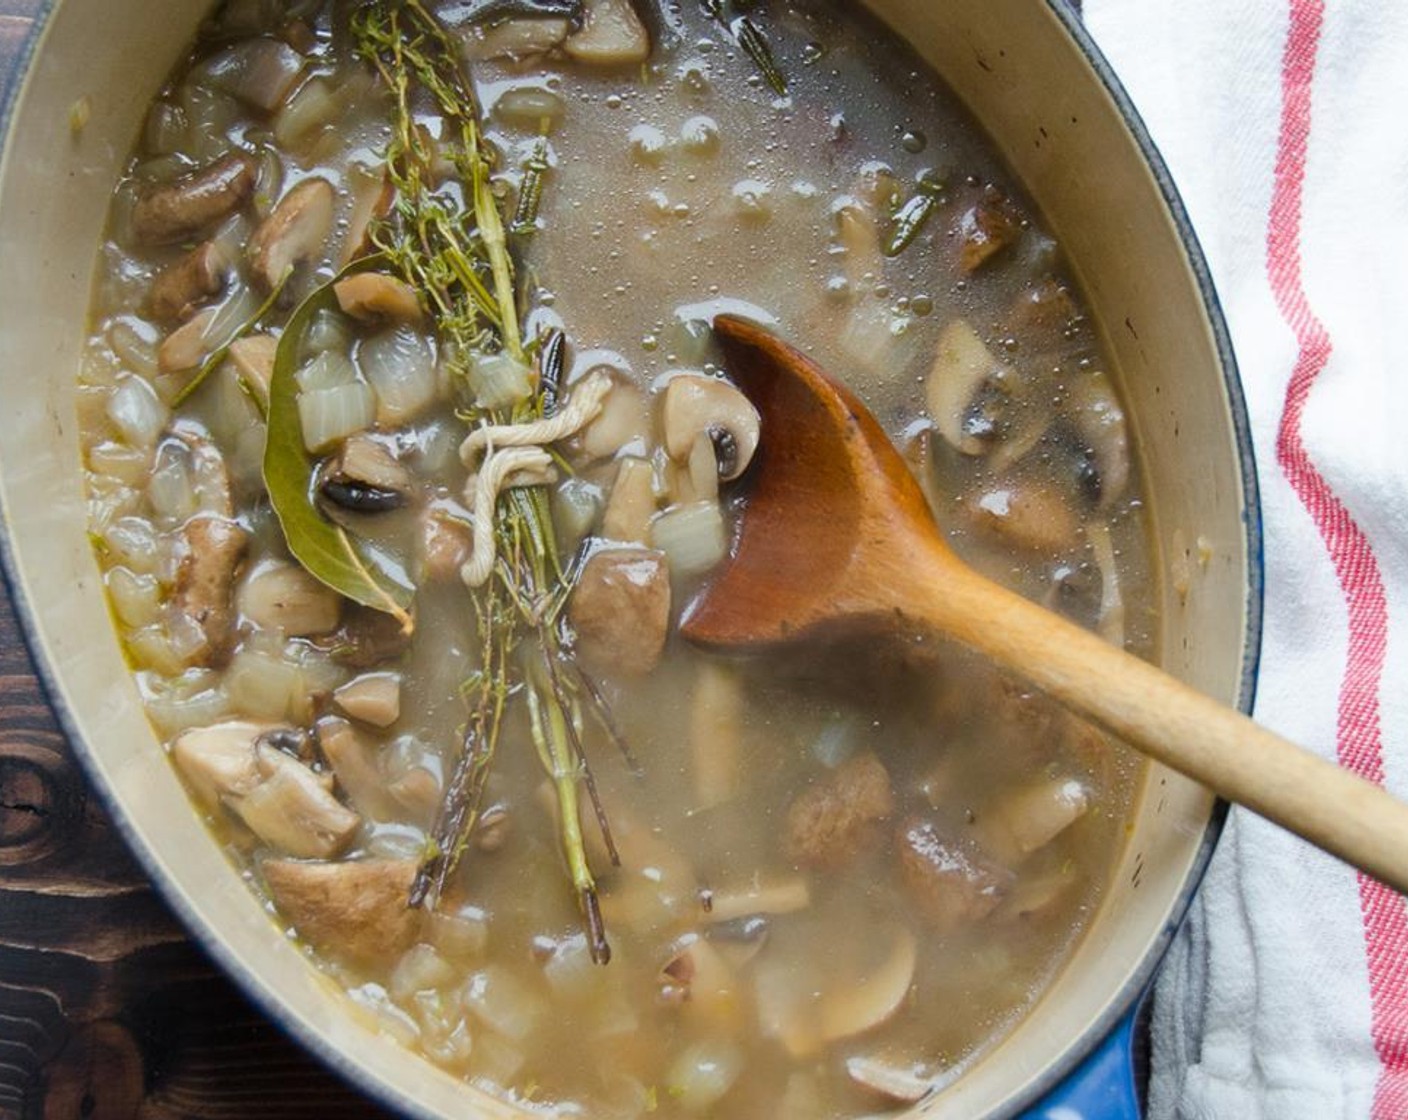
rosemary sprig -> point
(530, 194)
(449, 241)
(751, 40)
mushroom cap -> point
(295, 229)
(697, 404)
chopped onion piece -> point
(692, 536)
(171, 490)
(171, 713)
(309, 110)
(328, 370)
(136, 599)
(571, 974)
(502, 1002)
(401, 368)
(136, 412)
(421, 969)
(328, 415)
(263, 685)
(462, 935)
(259, 71)
(499, 381)
(134, 543)
(703, 1073)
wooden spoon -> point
(837, 537)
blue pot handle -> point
(1101, 1087)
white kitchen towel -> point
(1285, 124)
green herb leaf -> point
(910, 219)
(750, 38)
(326, 550)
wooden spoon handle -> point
(1167, 720)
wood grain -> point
(108, 1011)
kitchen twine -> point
(1285, 996)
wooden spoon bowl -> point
(835, 537)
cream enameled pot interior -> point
(1023, 76)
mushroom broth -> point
(836, 886)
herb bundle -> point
(449, 242)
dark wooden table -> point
(107, 1009)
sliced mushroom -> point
(445, 545)
(295, 230)
(838, 818)
(218, 761)
(950, 881)
(984, 231)
(853, 1009)
(699, 978)
(253, 358)
(357, 762)
(375, 295)
(1110, 624)
(1046, 306)
(740, 939)
(283, 802)
(624, 421)
(372, 197)
(418, 792)
(373, 698)
(1031, 817)
(1029, 513)
(611, 35)
(716, 734)
(366, 639)
(631, 504)
(183, 208)
(696, 479)
(1099, 420)
(620, 609)
(894, 1083)
(969, 390)
(184, 285)
(290, 809)
(187, 346)
(695, 404)
(365, 477)
(286, 598)
(205, 578)
(353, 911)
(775, 896)
(1037, 893)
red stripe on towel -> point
(1359, 740)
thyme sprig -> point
(750, 38)
(448, 240)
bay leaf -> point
(329, 553)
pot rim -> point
(1067, 14)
